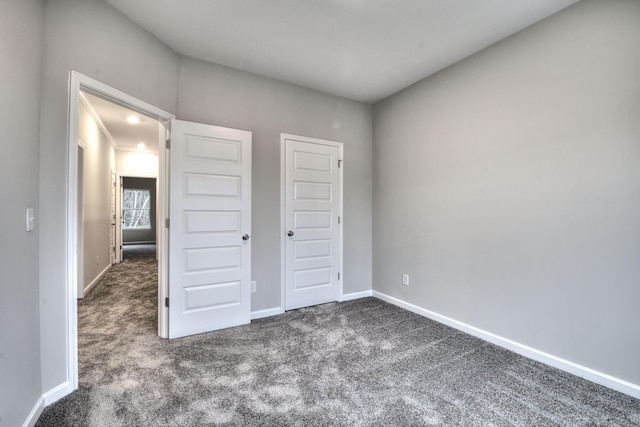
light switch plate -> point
(30, 219)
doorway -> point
(210, 169)
(81, 83)
(138, 213)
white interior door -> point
(313, 205)
(210, 228)
(119, 217)
(112, 216)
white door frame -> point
(78, 82)
(80, 222)
(283, 213)
(119, 218)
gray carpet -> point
(133, 252)
(362, 362)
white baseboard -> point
(45, 400)
(96, 280)
(56, 393)
(356, 295)
(606, 380)
(266, 313)
(35, 413)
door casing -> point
(78, 82)
(283, 213)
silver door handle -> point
(290, 233)
(245, 237)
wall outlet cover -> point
(405, 279)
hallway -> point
(119, 315)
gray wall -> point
(93, 38)
(508, 187)
(99, 161)
(20, 62)
(147, 235)
(210, 93)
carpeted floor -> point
(362, 362)
(133, 252)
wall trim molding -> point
(96, 280)
(35, 413)
(92, 112)
(45, 400)
(259, 314)
(356, 295)
(56, 393)
(589, 374)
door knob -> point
(245, 237)
(290, 233)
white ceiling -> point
(365, 50)
(124, 135)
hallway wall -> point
(137, 163)
(99, 161)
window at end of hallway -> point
(135, 209)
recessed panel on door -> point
(213, 185)
(311, 249)
(204, 222)
(209, 259)
(214, 149)
(312, 220)
(312, 278)
(320, 191)
(304, 161)
(211, 296)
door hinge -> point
(168, 144)
(338, 220)
(339, 163)
(166, 302)
(167, 222)
(338, 276)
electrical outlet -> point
(253, 286)
(405, 279)
(97, 259)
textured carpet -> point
(142, 251)
(362, 362)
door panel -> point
(313, 203)
(112, 227)
(119, 218)
(210, 212)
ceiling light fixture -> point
(141, 146)
(133, 119)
